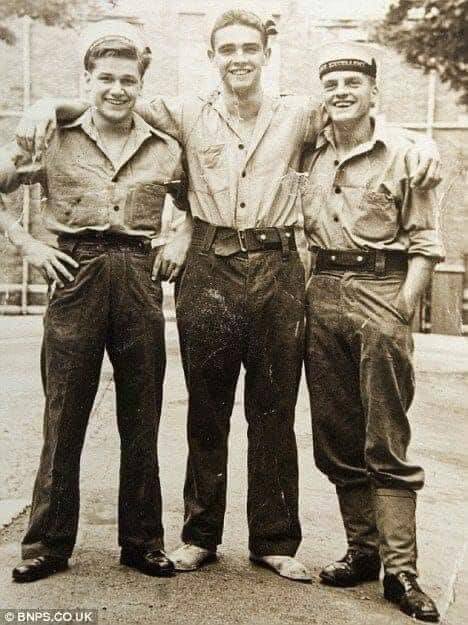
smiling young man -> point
(241, 296)
(105, 176)
(375, 243)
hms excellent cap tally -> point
(347, 56)
(112, 28)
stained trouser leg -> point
(210, 319)
(273, 362)
(75, 327)
(137, 351)
(338, 422)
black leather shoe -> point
(154, 562)
(404, 590)
(38, 568)
(354, 568)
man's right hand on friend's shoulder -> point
(36, 127)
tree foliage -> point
(64, 13)
(432, 34)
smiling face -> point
(348, 95)
(114, 84)
(239, 56)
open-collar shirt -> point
(364, 201)
(85, 191)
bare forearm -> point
(417, 280)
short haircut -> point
(116, 47)
(239, 16)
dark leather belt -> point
(226, 241)
(379, 262)
(104, 239)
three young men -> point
(105, 178)
(375, 242)
(241, 297)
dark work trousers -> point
(112, 304)
(247, 308)
(361, 380)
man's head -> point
(239, 49)
(114, 70)
(348, 75)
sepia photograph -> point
(234, 312)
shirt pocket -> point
(214, 168)
(377, 216)
(72, 205)
(144, 206)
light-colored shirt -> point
(237, 183)
(83, 189)
(365, 200)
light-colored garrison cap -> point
(113, 29)
(336, 56)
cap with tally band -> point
(112, 29)
(347, 56)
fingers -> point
(23, 135)
(67, 259)
(431, 178)
(156, 266)
(174, 271)
(61, 269)
(44, 129)
(51, 274)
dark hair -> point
(117, 47)
(239, 16)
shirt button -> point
(335, 219)
(241, 146)
(336, 162)
(116, 207)
(242, 204)
(243, 174)
(337, 189)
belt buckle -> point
(242, 241)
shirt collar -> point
(140, 128)
(380, 134)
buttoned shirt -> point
(233, 182)
(85, 191)
(364, 201)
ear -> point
(210, 53)
(267, 55)
(87, 79)
(374, 95)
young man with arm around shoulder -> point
(375, 242)
(105, 178)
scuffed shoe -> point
(191, 557)
(152, 562)
(404, 590)
(38, 568)
(286, 566)
(354, 568)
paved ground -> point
(231, 591)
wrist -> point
(19, 237)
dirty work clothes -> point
(360, 379)
(112, 304)
(365, 201)
(83, 189)
(244, 309)
(232, 183)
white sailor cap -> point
(347, 55)
(113, 29)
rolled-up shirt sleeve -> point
(420, 220)
(17, 168)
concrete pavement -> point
(231, 591)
